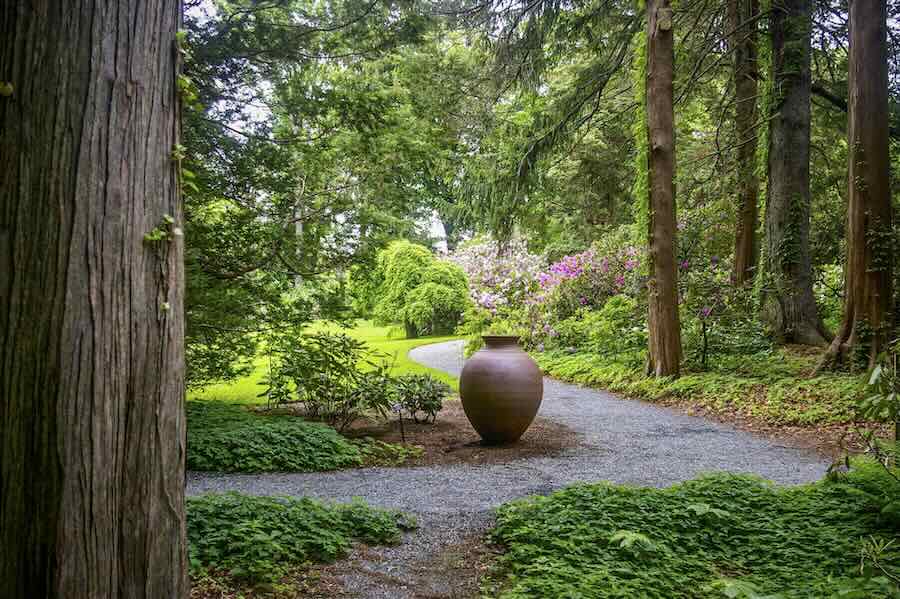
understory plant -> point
(225, 437)
(721, 535)
(421, 394)
(337, 378)
(258, 539)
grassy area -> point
(717, 536)
(775, 387)
(387, 340)
(235, 539)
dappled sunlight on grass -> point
(386, 340)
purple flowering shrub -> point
(589, 279)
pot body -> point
(501, 390)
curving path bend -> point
(624, 441)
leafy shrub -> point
(421, 393)
(326, 372)
(711, 537)
(259, 538)
(228, 438)
(427, 295)
(718, 318)
(616, 329)
(882, 398)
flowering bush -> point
(500, 277)
(515, 294)
(589, 279)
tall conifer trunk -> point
(788, 303)
(92, 429)
(664, 355)
(867, 322)
(743, 25)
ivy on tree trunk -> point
(866, 324)
(789, 306)
(91, 286)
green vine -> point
(641, 188)
(165, 231)
(880, 245)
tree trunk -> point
(867, 322)
(664, 356)
(742, 22)
(788, 303)
(91, 320)
(412, 331)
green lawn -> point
(388, 340)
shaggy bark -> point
(664, 356)
(866, 323)
(91, 320)
(742, 22)
(788, 303)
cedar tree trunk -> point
(742, 22)
(92, 359)
(664, 356)
(866, 323)
(788, 303)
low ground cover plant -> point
(721, 535)
(257, 539)
(773, 386)
(226, 437)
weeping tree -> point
(664, 344)
(866, 324)
(789, 306)
(743, 28)
(91, 281)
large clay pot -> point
(501, 389)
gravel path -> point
(624, 441)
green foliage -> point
(773, 386)
(257, 539)
(421, 393)
(415, 288)
(617, 329)
(881, 401)
(829, 292)
(225, 437)
(641, 188)
(721, 535)
(335, 376)
(718, 318)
